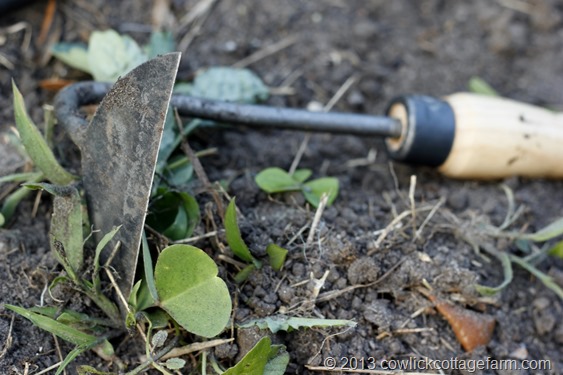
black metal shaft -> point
(70, 99)
(263, 117)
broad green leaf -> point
(174, 214)
(277, 256)
(66, 226)
(190, 290)
(161, 43)
(72, 54)
(276, 180)
(61, 330)
(287, 323)
(547, 233)
(230, 84)
(479, 86)
(157, 317)
(2, 220)
(507, 270)
(277, 364)
(263, 359)
(35, 145)
(314, 190)
(175, 363)
(234, 238)
(111, 55)
(301, 175)
(557, 250)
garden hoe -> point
(464, 135)
(119, 148)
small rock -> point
(363, 270)
(541, 303)
(339, 249)
(544, 321)
(230, 46)
(356, 99)
(379, 314)
(226, 351)
(520, 353)
(247, 338)
(286, 294)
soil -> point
(428, 46)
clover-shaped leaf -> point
(190, 290)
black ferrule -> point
(428, 133)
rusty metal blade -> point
(119, 150)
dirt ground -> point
(389, 48)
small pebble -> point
(541, 303)
(356, 99)
(363, 270)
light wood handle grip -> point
(497, 137)
(478, 137)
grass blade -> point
(234, 238)
(61, 330)
(35, 145)
(545, 279)
(148, 268)
(507, 270)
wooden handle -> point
(497, 137)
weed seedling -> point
(276, 180)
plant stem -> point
(108, 307)
(152, 360)
(545, 279)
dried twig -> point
(196, 17)
(44, 371)
(265, 52)
(9, 340)
(50, 10)
(337, 293)
(199, 238)
(195, 347)
(317, 219)
(430, 215)
(412, 188)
